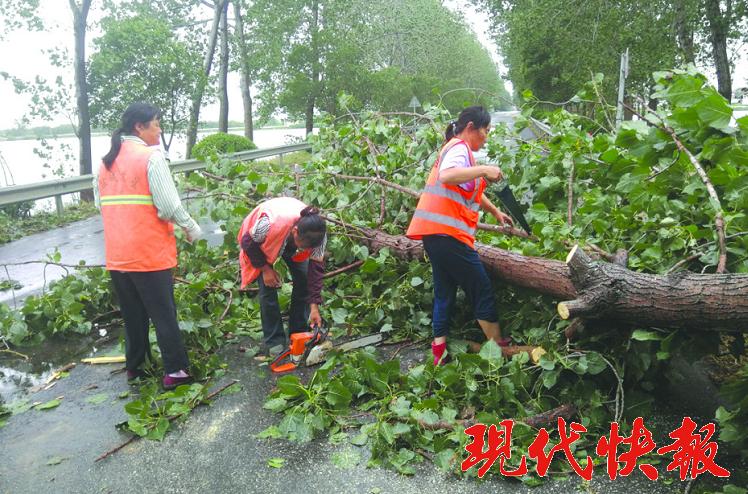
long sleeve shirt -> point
(164, 192)
(252, 246)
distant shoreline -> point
(32, 136)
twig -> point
(13, 352)
(51, 263)
(350, 267)
(570, 195)
(171, 419)
(228, 305)
(619, 392)
(12, 287)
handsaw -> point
(507, 198)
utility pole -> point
(622, 75)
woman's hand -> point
(504, 218)
(315, 320)
(270, 277)
(492, 173)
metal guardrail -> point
(58, 188)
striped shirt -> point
(164, 192)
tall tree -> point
(223, 73)
(80, 19)
(719, 30)
(166, 73)
(197, 98)
(245, 70)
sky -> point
(23, 56)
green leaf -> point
(346, 459)
(271, 432)
(97, 399)
(49, 405)
(685, 91)
(491, 352)
(642, 335)
(416, 281)
(714, 111)
(360, 439)
(276, 462)
(338, 395)
(56, 460)
(276, 404)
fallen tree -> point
(597, 290)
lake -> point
(24, 165)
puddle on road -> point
(18, 375)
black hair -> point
(476, 114)
(311, 227)
(136, 113)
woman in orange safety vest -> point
(446, 218)
(139, 203)
(286, 228)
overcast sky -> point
(23, 56)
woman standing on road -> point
(284, 227)
(139, 202)
(446, 218)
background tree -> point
(140, 59)
(245, 68)
(223, 72)
(80, 19)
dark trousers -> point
(270, 313)
(145, 296)
(454, 264)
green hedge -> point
(221, 143)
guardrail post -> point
(58, 203)
(280, 159)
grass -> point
(13, 227)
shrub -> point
(215, 144)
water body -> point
(26, 166)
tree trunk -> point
(719, 26)
(309, 116)
(684, 29)
(197, 98)
(80, 16)
(608, 292)
(246, 79)
(223, 114)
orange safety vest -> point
(135, 238)
(283, 213)
(447, 209)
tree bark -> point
(223, 113)
(719, 26)
(197, 98)
(684, 29)
(309, 115)
(80, 16)
(246, 78)
(606, 292)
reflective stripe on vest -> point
(444, 220)
(439, 190)
(447, 209)
(126, 200)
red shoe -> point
(170, 382)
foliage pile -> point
(632, 189)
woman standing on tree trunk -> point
(446, 218)
(139, 203)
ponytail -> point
(311, 227)
(476, 114)
(109, 157)
(135, 113)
